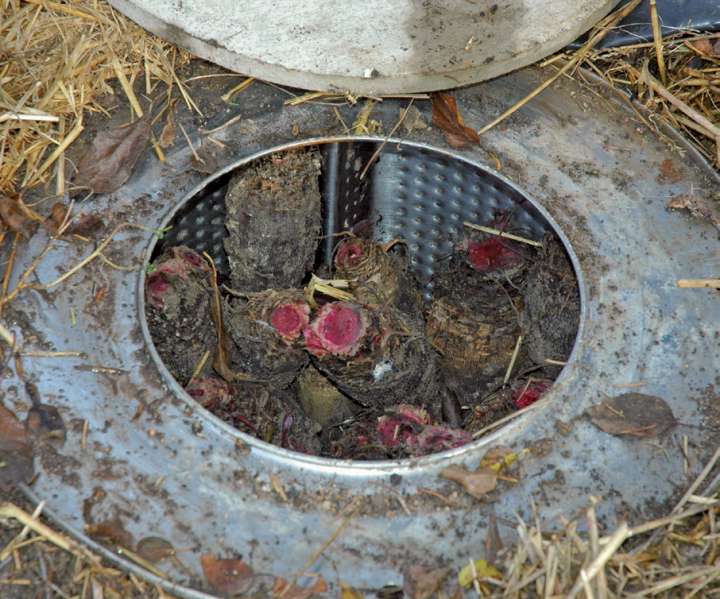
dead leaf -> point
(155, 549)
(14, 217)
(698, 206)
(45, 422)
(669, 172)
(478, 483)
(167, 135)
(420, 583)
(446, 116)
(57, 215)
(228, 576)
(633, 414)
(16, 455)
(412, 119)
(483, 569)
(493, 540)
(208, 158)
(112, 531)
(295, 592)
(111, 158)
(347, 592)
(499, 458)
(707, 47)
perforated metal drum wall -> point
(419, 195)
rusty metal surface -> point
(169, 469)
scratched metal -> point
(589, 165)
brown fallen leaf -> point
(226, 576)
(493, 540)
(45, 422)
(82, 225)
(634, 414)
(478, 483)
(112, 531)
(707, 47)
(155, 549)
(111, 158)
(698, 206)
(446, 116)
(669, 172)
(14, 216)
(167, 135)
(413, 120)
(347, 592)
(421, 583)
(56, 218)
(16, 454)
(295, 592)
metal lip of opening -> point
(362, 467)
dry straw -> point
(57, 62)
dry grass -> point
(689, 100)
(57, 61)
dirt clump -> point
(552, 305)
(273, 221)
(178, 298)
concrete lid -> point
(373, 46)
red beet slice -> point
(339, 329)
(269, 354)
(526, 395)
(209, 391)
(492, 254)
(289, 319)
(349, 254)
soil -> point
(385, 374)
(273, 221)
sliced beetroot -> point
(389, 363)
(412, 430)
(492, 254)
(350, 254)
(264, 334)
(210, 391)
(402, 426)
(527, 394)
(439, 437)
(157, 288)
(338, 329)
(376, 276)
(290, 318)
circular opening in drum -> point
(352, 305)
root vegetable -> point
(273, 221)
(377, 277)
(379, 357)
(178, 295)
(266, 336)
(321, 400)
(412, 430)
(339, 328)
(210, 391)
(526, 394)
(492, 255)
(552, 306)
(475, 347)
